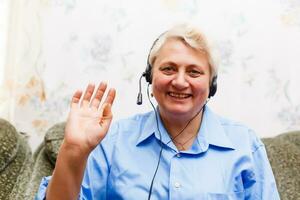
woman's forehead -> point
(175, 50)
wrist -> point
(73, 153)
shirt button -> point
(177, 185)
(251, 175)
(178, 155)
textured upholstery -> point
(15, 162)
(45, 157)
(284, 155)
(53, 140)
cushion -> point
(284, 156)
(53, 139)
(15, 162)
(45, 158)
(42, 167)
(9, 144)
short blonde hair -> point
(190, 36)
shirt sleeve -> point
(259, 183)
(41, 195)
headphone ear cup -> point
(147, 74)
(213, 87)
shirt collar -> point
(150, 128)
(211, 131)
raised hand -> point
(89, 119)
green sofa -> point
(21, 171)
(15, 163)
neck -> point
(183, 130)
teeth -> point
(178, 95)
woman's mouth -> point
(179, 95)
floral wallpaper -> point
(64, 44)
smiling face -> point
(180, 79)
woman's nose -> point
(180, 81)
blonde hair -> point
(190, 36)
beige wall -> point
(56, 46)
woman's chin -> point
(179, 111)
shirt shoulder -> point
(121, 135)
(123, 129)
(135, 121)
(240, 135)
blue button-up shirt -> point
(226, 161)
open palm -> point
(89, 120)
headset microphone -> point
(139, 99)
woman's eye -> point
(168, 69)
(195, 73)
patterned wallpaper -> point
(64, 44)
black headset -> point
(148, 77)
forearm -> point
(68, 174)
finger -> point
(110, 96)
(107, 111)
(106, 115)
(98, 96)
(87, 95)
(76, 98)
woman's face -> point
(180, 79)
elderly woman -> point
(181, 150)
